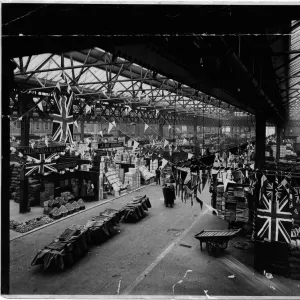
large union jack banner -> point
(40, 165)
(274, 219)
(63, 121)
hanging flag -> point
(163, 163)
(274, 219)
(32, 145)
(190, 155)
(76, 124)
(170, 127)
(128, 109)
(110, 127)
(58, 86)
(166, 143)
(264, 183)
(87, 109)
(39, 104)
(135, 145)
(69, 90)
(204, 179)
(153, 143)
(198, 198)
(101, 133)
(64, 119)
(46, 140)
(156, 113)
(252, 166)
(146, 127)
(114, 123)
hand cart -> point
(215, 239)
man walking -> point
(157, 176)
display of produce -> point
(146, 174)
(29, 225)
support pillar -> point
(195, 136)
(260, 141)
(24, 106)
(82, 130)
(7, 86)
(160, 131)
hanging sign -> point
(64, 165)
(101, 152)
(44, 150)
(110, 145)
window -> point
(37, 126)
(18, 124)
(46, 126)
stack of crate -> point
(131, 179)
(118, 157)
(153, 165)
(274, 150)
(282, 150)
(242, 211)
(220, 200)
(230, 205)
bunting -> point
(190, 155)
(166, 143)
(87, 109)
(135, 145)
(39, 104)
(110, 127)
(156, 113)
(58, 86)
(146, 127)
(76, 124)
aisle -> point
(150, 257)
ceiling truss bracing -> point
(287, 67)
(101, 79)
(293, 98)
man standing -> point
(157, 176)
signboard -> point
(101, 152)
(110, 145)
(44, 150)
(64, 165)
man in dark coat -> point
(157, 172)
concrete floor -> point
(157, 256)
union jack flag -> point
(40, 164)
(64, 119)
(274, 220)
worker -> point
(157, 172)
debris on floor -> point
(184, 245)
(231, 276)
(242, 245)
